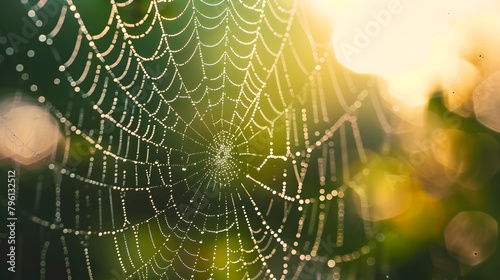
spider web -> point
(203, 139)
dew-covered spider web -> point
(202, 139)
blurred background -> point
(397, 141)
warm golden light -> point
(29, 133)
(420, 47)
(471, 237)
(487, 102)
(384, 193)
(458, 153)
(389, 192)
